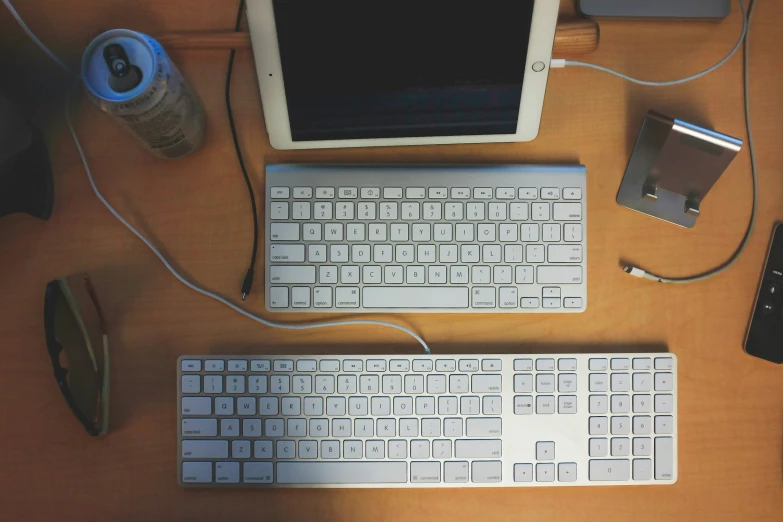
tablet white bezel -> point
(263, 32)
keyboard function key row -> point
(504, 193)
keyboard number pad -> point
(631, 421)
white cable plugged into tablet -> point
(744, 36)
(154, 249)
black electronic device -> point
(25, 173)
(765, 333)
(685, 9)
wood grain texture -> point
(731, 405)
(576, 36)
(573, 36)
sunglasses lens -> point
(77, 332)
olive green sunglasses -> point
(75, 334)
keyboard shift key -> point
(292, 274)
(478, 448)
(204, 449)
(559, 275)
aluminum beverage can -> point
(129, 76)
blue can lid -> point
(95, 71)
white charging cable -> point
(157, 252)
(744, 39)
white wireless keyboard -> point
(426, 239)
(428, 421)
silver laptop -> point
(694, 9)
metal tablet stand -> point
(673, 167)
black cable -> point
(247, 284)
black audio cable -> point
(247, 284)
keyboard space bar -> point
(342, 472)
(415, 297)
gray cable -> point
(743, 34)
(159, 255)
(745, 39)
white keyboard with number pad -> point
(427, 421)
(426, 239)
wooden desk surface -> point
(731, 405)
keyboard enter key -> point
(565, 254)
(483, 427)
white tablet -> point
(360, 73)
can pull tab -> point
(124, 75)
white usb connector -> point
(636, 272)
